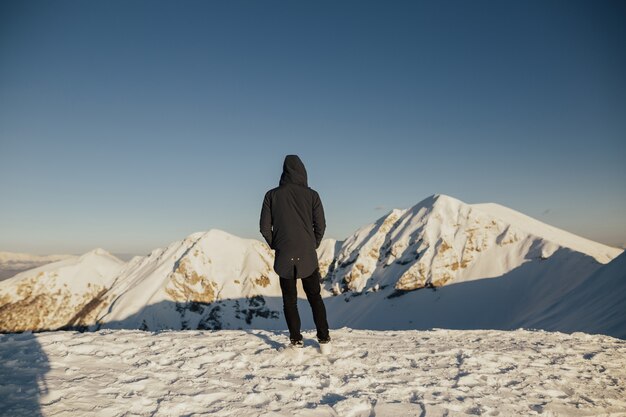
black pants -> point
(311, 285)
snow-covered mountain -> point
(442, 240)
(64, 293)
(181, 283)
(596, 305)
(12, 263)
(371, 279)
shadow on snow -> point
(533, 296)
(23, 365)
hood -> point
(293, 171)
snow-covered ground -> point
(369, 373)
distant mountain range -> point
(440, 263)
(12, 263)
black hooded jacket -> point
(292, 222)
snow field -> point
(369, 373)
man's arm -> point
(266, 219)
(319, 221)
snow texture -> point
(369, 373)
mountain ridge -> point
(214, 279)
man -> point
(292, 223)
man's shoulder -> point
(292, 186)
(271, 191)
(283, 188)
(315, 193)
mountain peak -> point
(211, 234)
(99, 252)
(438, 202)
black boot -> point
(296, 343)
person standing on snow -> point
(292, 223)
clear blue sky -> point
(130, 124)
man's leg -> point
(312, 289)
(290, 307)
